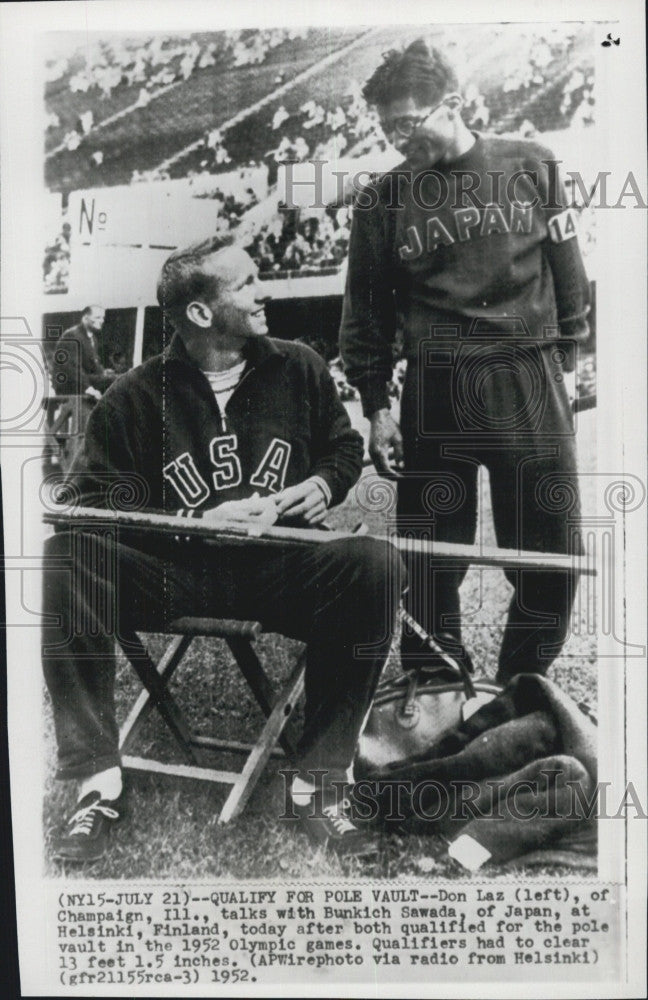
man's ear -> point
(454, 101)
(199, 314)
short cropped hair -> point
(91, 309)
(419, 71)
(183, 276)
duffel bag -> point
(412, 712)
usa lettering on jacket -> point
(192, 488)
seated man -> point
(228, 424)
(78, 370)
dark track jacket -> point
(446, 265)
(158, 440)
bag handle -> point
(409, 705)
(455, 665)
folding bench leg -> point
(262, 749)
(250, 667)
(276, 708)
(144, 704)
(160, 696)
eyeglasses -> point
(406, 125)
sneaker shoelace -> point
(83, 819)
(336, 814)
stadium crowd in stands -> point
(56, 263)
(302, 242)
(134, 72)
(531, 98)
(161, 60)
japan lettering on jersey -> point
(463, 225)
(192, 488)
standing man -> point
(227, 424)
(78, 369)
(468, 249)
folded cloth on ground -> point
(513, 780)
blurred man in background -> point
(78, 369)
(76, 372)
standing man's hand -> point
(386, 444)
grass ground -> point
(171, 829)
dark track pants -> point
(522, 431)
(340, 597)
